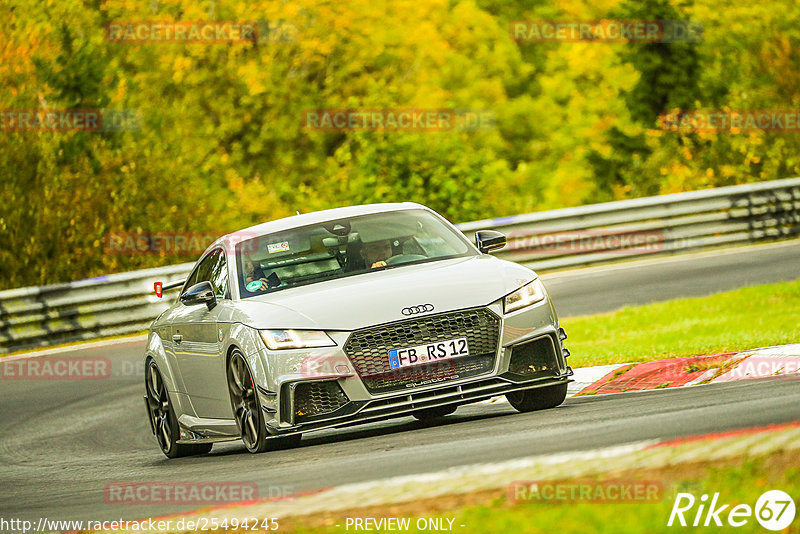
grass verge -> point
(737, 481)
(742, 319)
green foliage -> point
(221, 144)
(668, 72)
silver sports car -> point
(347, 316)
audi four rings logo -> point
(422, 308)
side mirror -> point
(200, 293)
(487, 240)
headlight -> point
(525, 296)
(295, 339)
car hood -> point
(374, 298)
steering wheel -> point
(405, 258)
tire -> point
(247, 410)
(163, 420)
(429, 414)
(530, 400)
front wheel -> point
(530, 400)
(163, 420)
(247, 410)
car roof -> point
(304, 219)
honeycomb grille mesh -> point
(368, 348)
(316, 398)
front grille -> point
(534, 359)
(317, 398)
(369, 348)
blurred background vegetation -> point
(221, 144)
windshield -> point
(344, 247)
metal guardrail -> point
(96, 307)
(643, 227)
(586, 235)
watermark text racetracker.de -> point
(183, 524)
(56, 368)
(730, 121)
(190, 493)
(69, 120)
(586, 491)
(398, 120)
(730, 366)
(199, 31)
(70, 368)
(618, 240)
(423, 370)
(607, 30)
(758, 366)
(180, 243)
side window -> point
(219, 275)
(209, 269)
(191, 280)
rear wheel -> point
(163, 420)
(247, 410)
(530, 400)
(434, 413)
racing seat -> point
(353, 261)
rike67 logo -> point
(774, 510)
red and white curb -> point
(765, 362)
(681, 372)
(770, 361)
(583, 378)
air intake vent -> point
(317, 398)
(534, 359)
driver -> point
(375, 253)
(254, 273)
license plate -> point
(430, 352)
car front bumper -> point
(313, 389)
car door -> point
(198, 347)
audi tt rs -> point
(346, 316)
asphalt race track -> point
(596, 290)
(63, 441)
